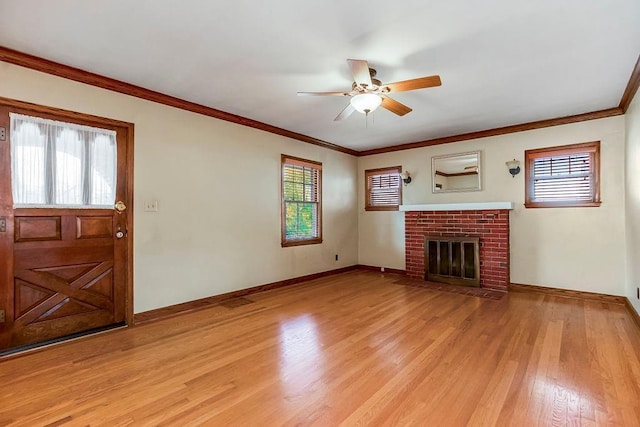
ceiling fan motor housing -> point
(375, 83)
(367, 92)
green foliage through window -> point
(301, 200)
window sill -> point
(382, 208)
(288, 243)
(562, 204)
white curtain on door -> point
(61, 164)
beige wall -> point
(633, 200)
(217, 183)
(569, 248)
(218, 226)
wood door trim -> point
(127, 130)
(6, 237)
(46, 112)
(129, 232)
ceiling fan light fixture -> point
(366, 102)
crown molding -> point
(632, 87)
(498, 131)
(57, 69)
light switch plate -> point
(151, 205)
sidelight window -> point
(60, 164)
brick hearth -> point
(491, 226)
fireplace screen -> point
(452, 260)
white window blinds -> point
(61, 164)
(563, 176)
(301, 199)
(384, 189)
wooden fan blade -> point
(360, 72)
(419, 83)
(323, 94)
(395, 106)
(345, 113)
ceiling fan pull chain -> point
(366, 119)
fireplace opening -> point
(452, 260)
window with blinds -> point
(301, 201)
(383, 189)
(563, 176)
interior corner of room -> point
(331, 213)
(214, 200)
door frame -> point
(6, 207)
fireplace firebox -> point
(452, 260)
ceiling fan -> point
(368, 93)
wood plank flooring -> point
(357, 348)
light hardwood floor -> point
(352, 349)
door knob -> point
(119, 235)
(120, 206)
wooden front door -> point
(63, 269)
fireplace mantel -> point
(483, 206)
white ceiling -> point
(502, 62)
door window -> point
(58, 164)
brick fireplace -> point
(491, 226)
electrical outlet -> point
(1, 316)
(3, 134)
(151, 205)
